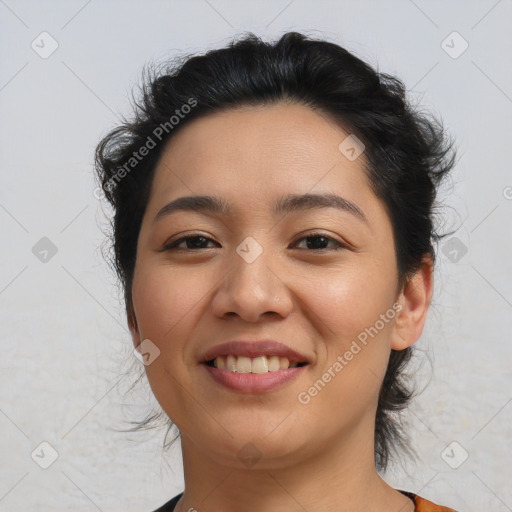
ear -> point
(414, 300)
(132, 325)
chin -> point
(249, 446)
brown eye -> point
(192, 242)
(317, 242)
(314, 242)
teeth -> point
(261, 364)
(274, 364)
(243, 364)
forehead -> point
(251, 155)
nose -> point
(252, 289)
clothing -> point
(421, 504)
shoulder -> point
(170, 505)
(423, 505)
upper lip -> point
(254, 349)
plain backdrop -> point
(67, 71)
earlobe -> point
(414, 300)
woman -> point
(273, 230)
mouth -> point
(253, 375)
(257, 365)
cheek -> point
(165, 301)
(356, 316)
(350, 302)
(347, 381)
(166, 304)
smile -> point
(245, 381)
(259, 365)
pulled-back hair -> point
(406, 155)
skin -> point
(315, 456)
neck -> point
(340, 478)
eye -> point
(319, 241)
(314, 242)
(192, 242)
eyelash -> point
(339, 245)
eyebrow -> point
(286, 204)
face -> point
(316, 279)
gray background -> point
(64, 340)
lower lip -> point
(253, 382)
